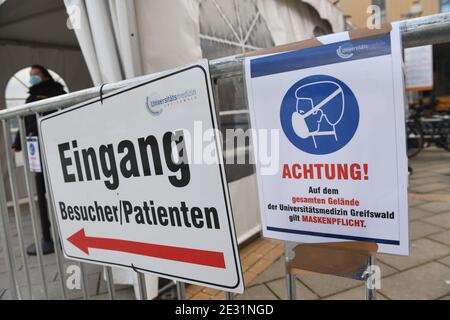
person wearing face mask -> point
(42, 86)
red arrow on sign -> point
(195, 256)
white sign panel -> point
(123, 195)
(34, 158)
(419, 68)
(339, 111)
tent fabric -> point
(169, 34)
(126, 38)
(80, 24)
(293, 20)
(108, 36)
(104, 43)
(330, 13)
(164, 44)
(123, 15)
(231, 27)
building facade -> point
(393, 10)
(358, 15)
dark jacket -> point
(40, 91)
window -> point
(445, 5)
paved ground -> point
(425, 274)
(422, 275)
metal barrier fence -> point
(228, 81)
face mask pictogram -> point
(322, 122)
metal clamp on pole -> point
(181, 291)
(101, 93)
(290, 278)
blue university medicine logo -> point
(31, 149)
(319, 114)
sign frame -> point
(203, 65)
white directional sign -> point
(125, 195)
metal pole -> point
(52, 217)
(291, 280)
(14, 197)
(8, 249)
(28, 181)
(84, 282)
(110, 282)
(371, 290)
(291, 287)
(142, 286)
(229, 295)
(181, 291)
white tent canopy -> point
(123, 39)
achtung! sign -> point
(124, 195)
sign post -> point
(124, 189)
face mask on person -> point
(34, 80)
